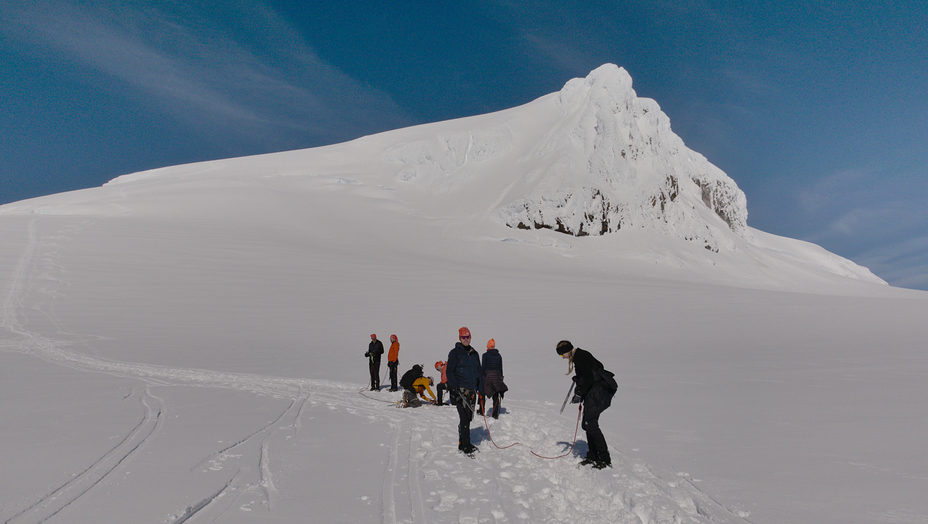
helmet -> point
(392, 338)
(439, 364)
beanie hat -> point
(463, 332)
(491, 344)
(564, 346)
(439, 364)
(392, 338)
(373, 337)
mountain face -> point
(599, 160)
(592, 160)
(614, 163)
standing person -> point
(393, 361)
(443, 385)
(595, 387)
(374, 351)
(465, 378)
(493, 385)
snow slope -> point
(186, 344)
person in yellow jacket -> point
(423, 385)
(419, 387)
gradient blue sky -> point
(818, 110)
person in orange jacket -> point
(443, 385)
(393, 361)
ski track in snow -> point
(425, 480)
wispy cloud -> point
(877, 220)
(563, 55)
(247, 71)
(903, 263)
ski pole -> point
(569, 391)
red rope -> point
(487, 425)
(363, 394)
(576, 432)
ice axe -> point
(466, 403)
(569, 391)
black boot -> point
(591, 459)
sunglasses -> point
(462, 338)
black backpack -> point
(410, 376)
(609, 378)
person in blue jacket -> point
(493, 385)
(465, 379)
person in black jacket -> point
(595, 387)
(409, 393)
(465, 379)
(374, 351)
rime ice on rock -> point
(613, 163)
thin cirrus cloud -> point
(266, 82)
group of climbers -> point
(373, 354)
(470, 380)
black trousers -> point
(466, 414)
(375, 373)
(597, 400)
(440, 388)
(393, 364)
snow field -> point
(185, 345)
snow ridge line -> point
(13, 299)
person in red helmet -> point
(374, 351)
(465, 379)
(493, 385)
(393, 362)
(443, 385)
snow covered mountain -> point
(186, 344)
(590, 160)
(612, 161)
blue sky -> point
(818, 110)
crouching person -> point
(408, 382)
